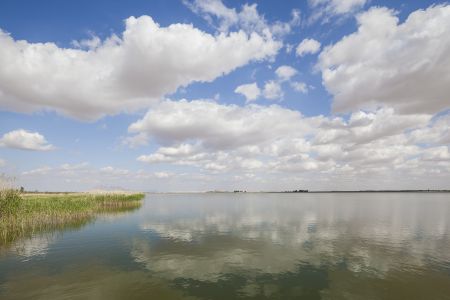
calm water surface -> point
(244, 246)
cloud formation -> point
(284, 73)
(217, 14)
(84, 176)
(307, 46)
(25, 140)
(258, 141)
(389, 79)
(299, 86)
(203, 144)
(123, 73)
(338, 6)
(250, 91)
(272, 90)
(217, 126)
(328, 9)
(387, 63)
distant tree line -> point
(296, 191)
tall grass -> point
(26, 214)
(9, 202)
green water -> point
(243, 246)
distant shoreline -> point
(331, 191)
(384, 191)
(234, 192)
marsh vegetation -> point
(24, 214)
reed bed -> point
(23, 215)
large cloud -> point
(25, 140)
(121, 73)
(219, 126)
(257, 141)
(384, 63)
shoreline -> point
(308, 192)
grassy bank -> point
(24, 214)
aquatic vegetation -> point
(23, 215)
(9, 202)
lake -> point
(243, 246)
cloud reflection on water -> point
(204, 238)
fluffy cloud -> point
(436, 154)
(307, 46)
(272, 90)
(204, 144)
(25, 140)
(387, 63)
(285, 73)
(209, 160)
(120, 73)
(217, 126)
(363, 127)
(436, 133)
(250, 91)
(2, 163)
(172, 154)
(257, 142)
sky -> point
(201, 95)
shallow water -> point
(244, 246)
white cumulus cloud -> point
(387, 63)
(216, 126)
(308, 46)
(272, 90)
(121, 73)
(272, 142)
(250, 91)
(285, 73)
(25, 140)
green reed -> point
(22, 215)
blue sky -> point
(91, 97)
